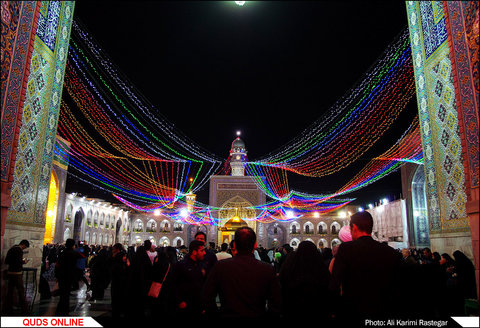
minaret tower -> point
(238, 157)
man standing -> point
(222, 255)
(65, 271)
(210, 258)
(15, 262)
(246, 287)
(366, 272)
(189, 278)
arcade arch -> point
(69, 213)
(77, 224)
(165, 226)
(138, 226)
(151, 225)
(335, 242)
(89, 218)
(322, 228)
(66, 234)
(308, 228)
(164, 242)
(294, 227)
(322, 243)
(335, 228)
(152, 240)
(294, 242)
(177, 242)
(95, 220)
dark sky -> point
(268, 69)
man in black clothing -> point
(15, 262)
(189, 278)
(366, 272)
(65, 270)
(210, 258)
(245, 285)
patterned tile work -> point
(444, 173)
(10, 16)
(39, 123)
(18, 21)
(433, 26)
(462, 29)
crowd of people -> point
(359, 278)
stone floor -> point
(80, 305)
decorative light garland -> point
(371, 106)
(149, 162)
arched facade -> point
(91, 220)
(324, 235)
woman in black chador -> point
(99, 275)
(304, 279)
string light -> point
(371, 106)
(145, 162)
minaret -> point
(238, 157)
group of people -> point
(362, 278)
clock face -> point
(238, 156)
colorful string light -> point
(356, 122)
(149, 165)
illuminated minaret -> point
(238, 156)
(190, 197)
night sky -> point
(268, 69)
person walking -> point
(366, 271)
(139, 281)
(99, 275)
(81, 266)
(465, 271)
(304, 280)
(66, 269)
(161, 303)
(247, 288)
(15, 261)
